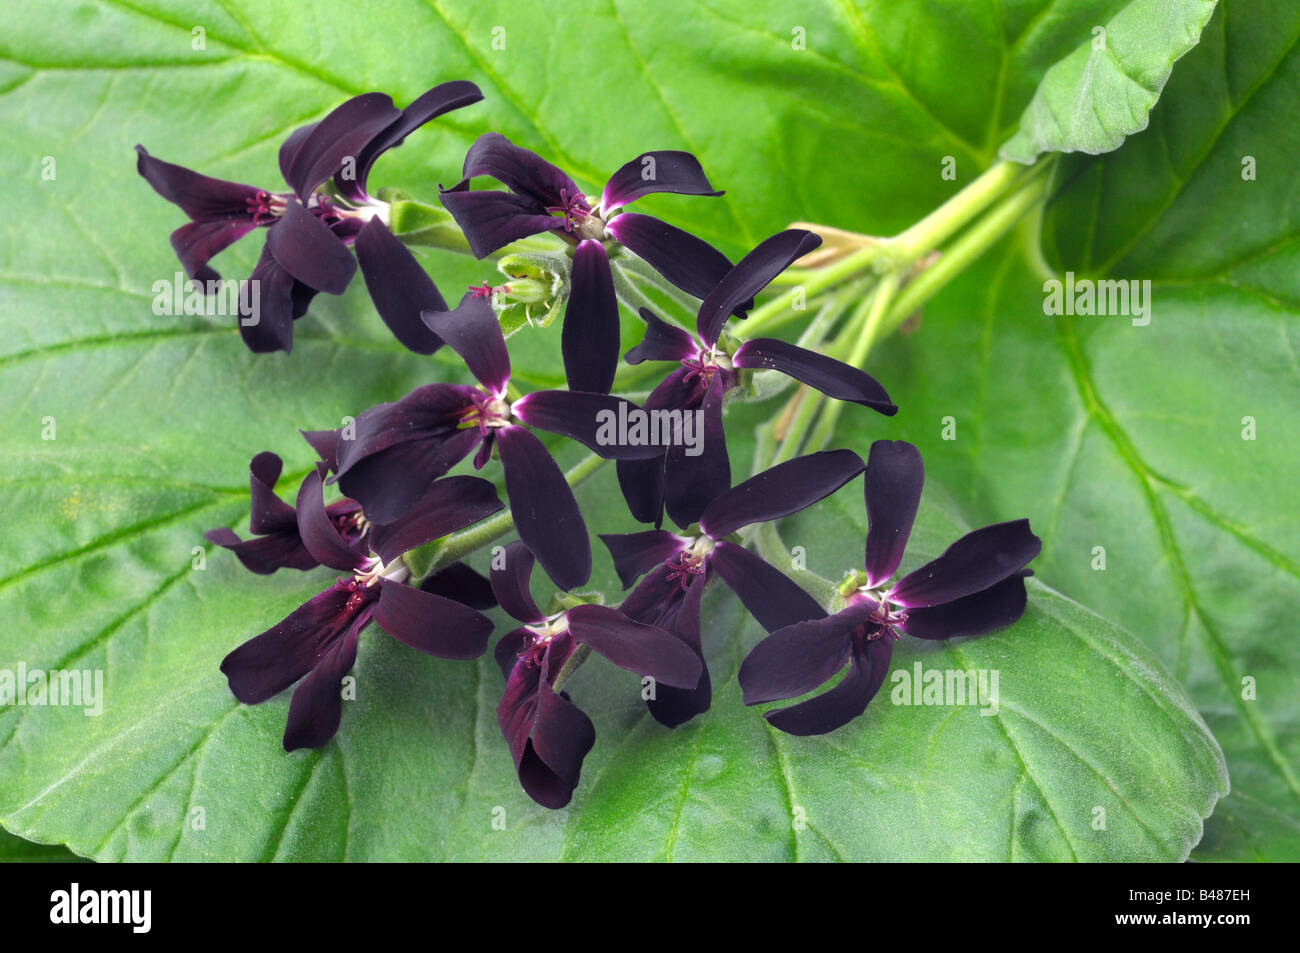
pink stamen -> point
(682, 568)
(574, 208)
(260, 207)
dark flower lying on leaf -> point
(679, 567)
(685, 484)
(400, 447)
(310, 228)
(548, 734)
(274, 523)
(542, 198)
(317, 642)
(976, 586)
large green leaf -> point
(1102, 92)
(15, 850)
(156, 417)
(1131, 437)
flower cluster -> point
(393, 463)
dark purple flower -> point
(317, 642)
(547, 733)
(311, 228)
(400, 447)
(274, 523)
(542, 198)
(679, 567)
(976, 586)
(683, 484)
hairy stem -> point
(570, 666)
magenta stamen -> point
(573, 207)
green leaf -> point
(155, 419)
(1130, 437)
(1103, 91)
(419, 768)
(1204, 206)
(15, 850)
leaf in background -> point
(1102, 92)
(15, 850)
(156, 418)
(1131, 438)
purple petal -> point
(473, 332)
(389, 483)
(442, 99)
(316, 707)
(750, 276)
(597, 421)
(317, 704)
(546, 514)
(398, 449)
(304, 246)
(433, 411)
(996, 607)
(492, 220)
(268, 512)
(342, 134)
(430, 623)
(635, 646)
(289, 148)
(510, 584)
(676, 706)
(269, 663)
(301, 296)
(662, 342)
(519, 170)
(784, 489)
(658, 600)
(199, 196)
(833, 378)
(667, 171)
(690, 263)
(635, 554)
(263, 555)
(398, 286)
(270, 326)
(318, 532)
(326, 445)
(589, 337)
(973, 563)
(642, 484)
(895, 476)
(561, 737)
(771, 597)
(450, 504)
(793, 661)
(196, 243)
(691, 483)
(508, 648)
(465, 585)
(844, 702)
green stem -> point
(788, 448)
(459, 545)
(898, 253)
(570, 666)
(861, 340)
(776, 311)
(930, 232)
(964, 251)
